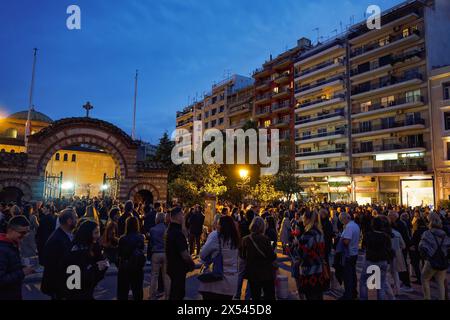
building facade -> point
(357, 111)
(440, 115)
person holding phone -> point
(12, 271)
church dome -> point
(35, 116)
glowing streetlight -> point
(104, 187)
(67, 185)
(243, 173)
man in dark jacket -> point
(57, 247)
(402, 228)
(195, 229)
(179, 263)
(12, 272)
(47, 224)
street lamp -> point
(243, 173)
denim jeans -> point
(363, 290)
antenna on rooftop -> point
(318, 34)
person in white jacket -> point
(224, 239)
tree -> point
(196, 181)
(264, 192)
(286, 180)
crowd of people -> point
(323, 242)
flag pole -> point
(30, 101)
(133, 132)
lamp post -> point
(245, 180)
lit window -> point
(405, 32)
(57, 157)
(267, 123)
(365, 106)
(11, 133)
(387, 101)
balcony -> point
(311, 88)
(283, 106)
(282, 78)
(397, 104)
(238, 125)
(283, 93)
(339, 152)
(263, 85)
(418, 147)
(319, 103)
(337, 134)
(391, 84)
(321, 68)
(263, 98)
(262, 112)
(281, 122)
(373, 49)
(321, 171)
(239, 109)
(261, 72)
(392, 168)
(388, 128)
(184, 123)
(325, 118)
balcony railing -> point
(320, 135)
(389, 147)
(318, 67)
(262, 111)
(387, 83)
(317, 101)
(320, 170)
(376, 45)
(318, 153)
(283, 75)
(317, 84)
(278, 121)
(263, 97)
(397, 124)
(396, 102)
(277, 106)
(322, 117)
(392, 168)
(239, 108)
(263, 83)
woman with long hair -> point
(85, 255)
(310, 268)
(131, 259)
(223, 241)
(110, 238)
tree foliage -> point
(286, 180)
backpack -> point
(438, 260)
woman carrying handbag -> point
(221, 253)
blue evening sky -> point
(179, 46)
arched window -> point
(11, 133)
(66, 157)
(57, 157)
(74, 158)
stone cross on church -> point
(88, 107)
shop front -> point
(417, 191)
(366, 190)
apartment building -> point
(440, 115)
(321, 116)
(274, 97)
(363, 127)
(240, 107)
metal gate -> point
(52, 186)
(110, 186)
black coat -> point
(121, 223)
(11, 273)
(149, 221)
(196, 223)
(47, 224)
(55, 249)
(90, 274)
